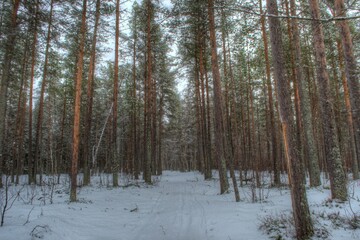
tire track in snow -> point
(176, 215)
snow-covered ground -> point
(179, 206)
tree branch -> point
(250, 11)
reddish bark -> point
(218, 104)
(301, 213)
(77, 102)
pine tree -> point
(33, 163)
(42, 92)
(5, 77)
(90, 99)
(115, 160)
(218, 104)
(304, 99)
(352, 75)
(332, 151)
(301, 213)
(76, 124)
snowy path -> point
(177, 214)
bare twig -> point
(28, 216)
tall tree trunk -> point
(199, 132)
(332, 151)
(227, 125)
(5, 78)
(63, 166)
(135, 153)
(207, 147)
(274, 156)
(2, 18)
(294, 78)
(153, 128)
(148, 78)
(301, 213)
(42, 93)
(225, 81)
(234, 133)
(334, 88)
(352, 74)
(77, 102)
(208, 114)
(305, 107)
(146, 162)
(20, 115)
(349, 116)
(251, 123)
(33, 164)
(52, 146)
(159, 168)
(115, 160)
(90, 100)
(218, 104)
(200, 104)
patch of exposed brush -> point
(350, 221)
(281, 227)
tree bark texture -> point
(305, 107)
(274, 156)
(90, 100)
(327, 116)
(42, 92)
(148, 79)
(33, 164)
(205, 123)
(10, 44)
(218, 104)
(115, 160)
(301, 213)
(77, 103)
(352, 72)
(349, 116)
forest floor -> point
(178, 206)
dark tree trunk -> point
(5, 78)
(274, 156)
(114, 157)
(234, 132)
(89, 101)
(20, 116)
(205, 123)
(42, 94)
(327, 116)
(147, 108)
(352, 74)
(135, 154)
(301, 213)
(349, 116)
(61, 149)
(199, 132)
(305, 107)
(33, 164)
(153, 126)
(159, 168)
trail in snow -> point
(177, 214)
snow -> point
(179, 206)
